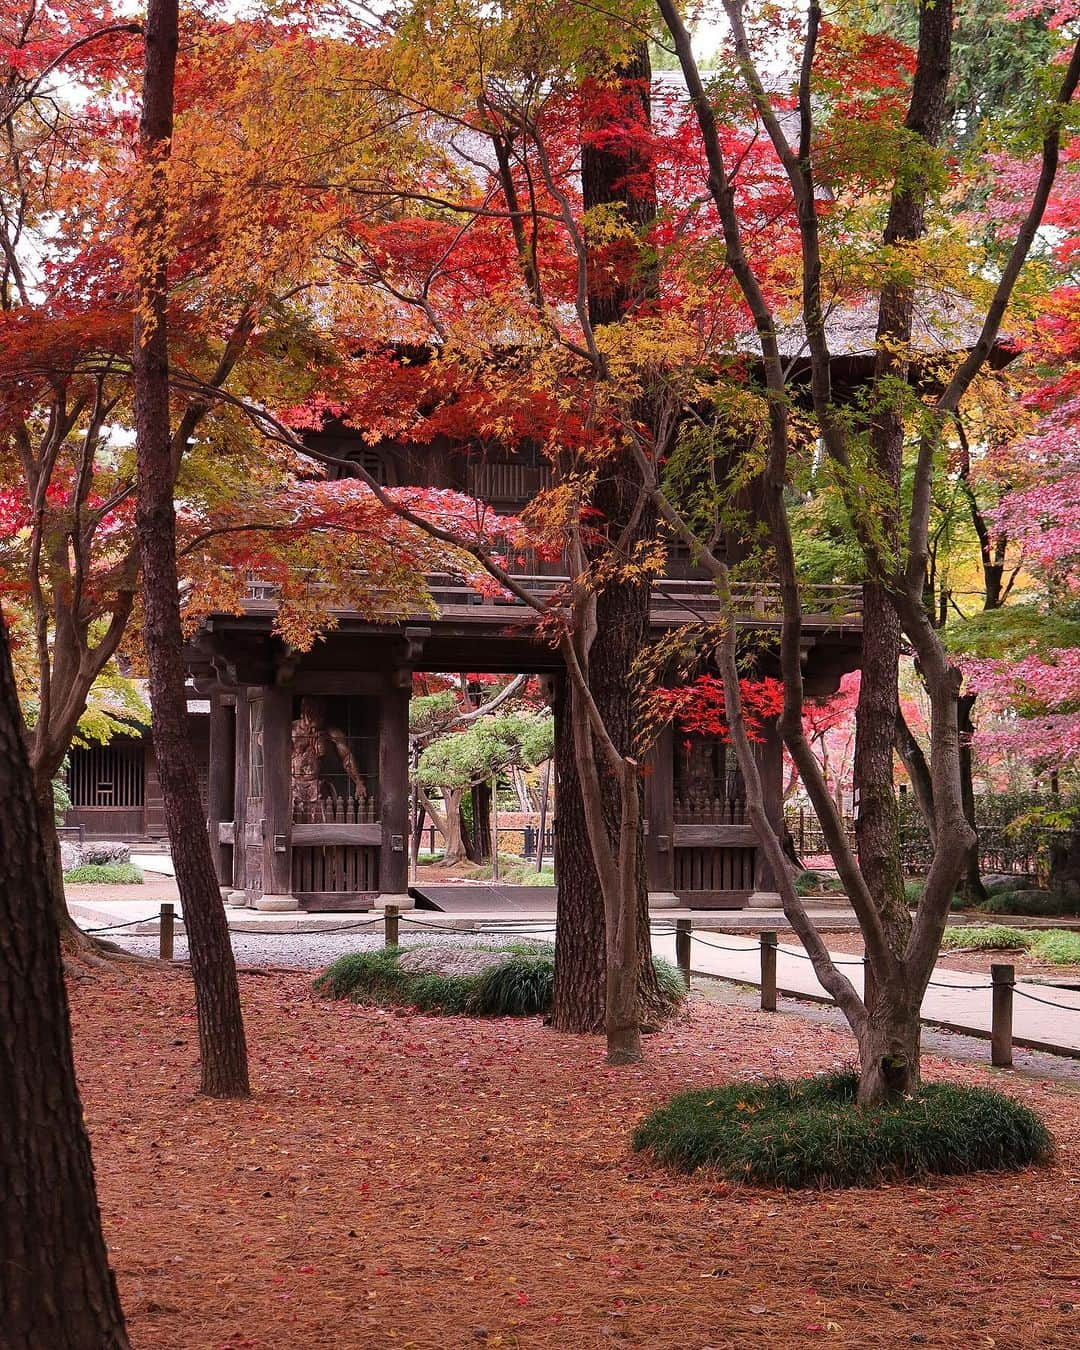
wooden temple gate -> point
(308, 792)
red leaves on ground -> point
(406, 1180)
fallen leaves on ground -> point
(399, 1180)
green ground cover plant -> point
(510, 979)
(809, 1133)
(1058, 946)
(114, 874)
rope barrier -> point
(805, 956)
(720, 946)
(304, 932)
(1061, 1007)
(963, 988)
(128, 923)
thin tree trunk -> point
(56, 1288)
(217, 997)
(973, 889)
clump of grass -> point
(114, 874)
(913, 891)
(991, 938)
(521, 984)
(806, 883)
(809, 1132)
(670, 983)
(1058, 946)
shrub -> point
(807, 882)
(992, 938)
(809, 1132)
(670, 983)
(521, 984)
(913, 891)
(1060, 947)
(100, 852)
(113, 874)
(1030, 904)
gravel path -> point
(300, 951)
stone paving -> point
(1045, 1016)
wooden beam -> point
(394, 786)
(220, 779)
(714, 836)
(277, 793)
(660, 812)
(240, 791)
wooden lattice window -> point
(255, 749)
(107, 775)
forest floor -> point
(400, 1180)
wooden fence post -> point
(682, 948)
(768, 971)
(391, 920)
(1001, 1033)
(165, 932)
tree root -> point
(96, 952)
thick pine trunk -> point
(478, 846)
(56, 1288)
(622, 618)
(45, 810)
(580, 959)
(217, 997)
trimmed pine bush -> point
(113, 874)
(521, 984)
(809, 1132)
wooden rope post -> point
(682, 948)
(166, 921)
(768, 971)
(391, 922)
(1001, 1030)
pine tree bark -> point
(479, 837)
(56, 1288)
(217, 997)
(622, 629)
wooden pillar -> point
(394, 785)
(660, 813)
(241, 750)
(277, 800)
(769, 753)
(220, 780)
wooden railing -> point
(675, 598)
